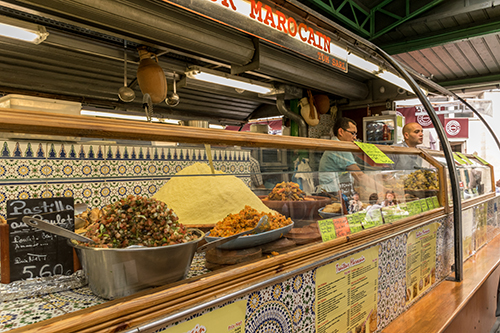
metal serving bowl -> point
(114, 273)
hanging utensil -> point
(172, 97)
(125, 93)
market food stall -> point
(402, 255)
(335, 264)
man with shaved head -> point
(413, 135)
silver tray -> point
(244, 242)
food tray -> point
(244, 242)
(326, 215)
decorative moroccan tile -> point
(27, 314)
(73, 300)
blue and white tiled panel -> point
(283, 307)
(49, 160)
(94, 193)
(58, 150)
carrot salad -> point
(245, 220)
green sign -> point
(356, 222)
(458, 159)
(327, 230)
(481, 160)
(430, 203)
(414, 207)
(436, 202)
(465, 158)
(423, 205)
(373, 219)
(374, 153)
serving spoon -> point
(54, 229)
(262, 225)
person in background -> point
(390, 199)
(413, 135)
(255, 175)
(374, 205)
(498, 186)
(338, 161)
(355, 205)
(336, 167)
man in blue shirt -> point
(338, 163)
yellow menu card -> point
(346, 293)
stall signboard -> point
(459, 159)
(481, 160)
(465, 158)
(420, 260)
(430, 203)
(423, 205)
(454, 127)
(33, 252)
(346, 293)
(327, 230)
(275, 24)
(374, 153)
(229, 318)
(356, 221)
(414, 207)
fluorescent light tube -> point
(227, 80)
(126, 117)
(26, 31)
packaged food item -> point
(137, 220)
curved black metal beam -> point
(457, 204)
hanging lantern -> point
(151, 77)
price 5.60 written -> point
(44, 271)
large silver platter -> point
(244, 242)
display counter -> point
(356, 269)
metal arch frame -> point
(458, 267)
(363, 16)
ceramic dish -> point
(326, 215)
(245, 242)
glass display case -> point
(384, 130)
(475, 179)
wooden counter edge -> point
(435, 310)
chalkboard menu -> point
(33, 252)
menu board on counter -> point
(420, 260)
(33, 252)
(346, 294)
(229, 318)
(468, 229)
(480, 218)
